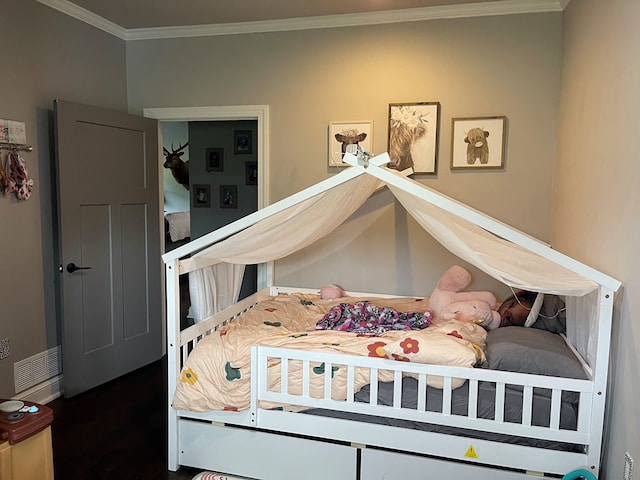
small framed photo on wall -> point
(201, 195)
(228, 196)
(251, 173)
(215, 159)
(478, 143)
(242, 142)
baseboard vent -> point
(37, 369)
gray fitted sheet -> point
(486, 398)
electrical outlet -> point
(5, 351)
(628, 467)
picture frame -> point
(413, 136)
(214, 159)
(251, 173)
(360, 132)
(487, 151)
(242, 142)
(228, 196)
(201, 196)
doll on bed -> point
(532, 309)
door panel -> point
(109, 222)
(97, 311)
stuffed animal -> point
(329, 292)
(449, 292)
(473, 311)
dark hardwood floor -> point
(115, 431)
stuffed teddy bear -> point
(447, 299)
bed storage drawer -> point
(262, 455)
(381, 465)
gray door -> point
(109, 234)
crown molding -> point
(86, 16)
(507, 7)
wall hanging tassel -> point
(18, 180)
(4, 181)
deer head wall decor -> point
(179, 169)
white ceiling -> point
(155, 18)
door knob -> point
(72, 267)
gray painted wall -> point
(511, 65)
(506, 65)
(596, 198)
(46, 56)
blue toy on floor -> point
(579, 474)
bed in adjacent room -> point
(261, 388)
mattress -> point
(217, 374)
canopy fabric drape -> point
(499, 250)
(503, 260)
(292, 229)
(307, 221)
(214, 288)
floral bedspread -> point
(368, 318)
(217, 374)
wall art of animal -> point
(349, 137)
(413, 136)
(178, 167)
(477, 146)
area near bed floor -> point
(270, 387)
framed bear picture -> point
(478, 143)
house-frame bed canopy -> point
(361, 435)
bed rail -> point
(263, 357)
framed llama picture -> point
(478, 143)
(343, 134)
(413, 136)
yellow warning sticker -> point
(471, 452)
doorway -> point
(259, 113)
(260, 145)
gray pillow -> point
(552, 316)
(530, 350)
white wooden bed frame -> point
(273, 444)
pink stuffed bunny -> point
(447, 301)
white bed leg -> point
(172, 431)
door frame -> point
(260, 113)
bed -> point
(521, 403)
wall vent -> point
(36, 369)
